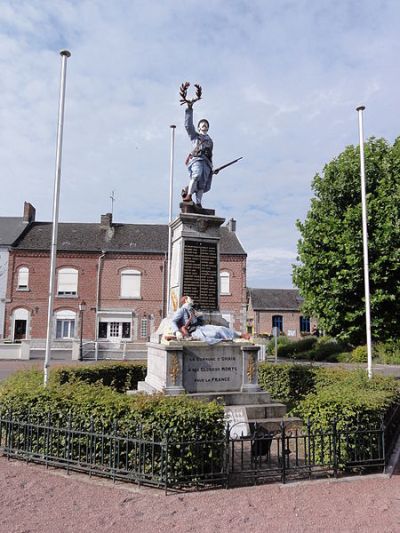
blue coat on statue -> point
(200, 159)
(181, 318)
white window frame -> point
(23, 279)
(115, 331)
(66, 320)
(144, 327)
(131, 283)
(67, 287)
(225, 282)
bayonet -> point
(227, 165)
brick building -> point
(279, 308)
(117, 270)
(10, 229)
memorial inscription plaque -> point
(212, 370)
(200, 274)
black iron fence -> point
(392, 428)
(137, 456)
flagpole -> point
(360, 110)
(56, 197)
(171, 191)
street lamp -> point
(82, 308)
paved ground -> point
(38, 501)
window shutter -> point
(130, 284)
(23, 278)
(225, 279)
(67, 281)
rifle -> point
(227, 165)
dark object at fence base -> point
(261, 441)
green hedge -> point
(356, 405)
(151, 417)
(286, 382)
(324, 396)
(296, 348)
(119, 376)
(292, 383)
(311, 349)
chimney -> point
(106, 221)
(29, 213)
(231, 225)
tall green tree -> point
(330, 273)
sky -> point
(281, 80)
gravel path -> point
(33, 499)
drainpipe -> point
(99, 264)
(163, 285)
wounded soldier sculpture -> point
(187, 325)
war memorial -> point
(206, 369)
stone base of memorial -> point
(194, 367)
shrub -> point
(105, 409)
(295, 348)
(119, 376)
(321, 395)
(342, 357)
(353, 401)
(388, 353)
(286, 382)
(281, 341)
(325, 349)
(359, 355)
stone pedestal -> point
(195, 260)
(197, 368)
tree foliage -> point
(330, 252)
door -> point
(20, 324)
(19, 330)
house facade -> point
(111, 281)
(10, 229)
(280, 308)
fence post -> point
(335, 448)
(69, 449)
(9, 432)
(27, 443)
(383, 444)
(166, 461)
(47, 439)
(308, 456)
(283, 458)
(227, 456)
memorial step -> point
(268, 410)
(233, 398)
(273, 424)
